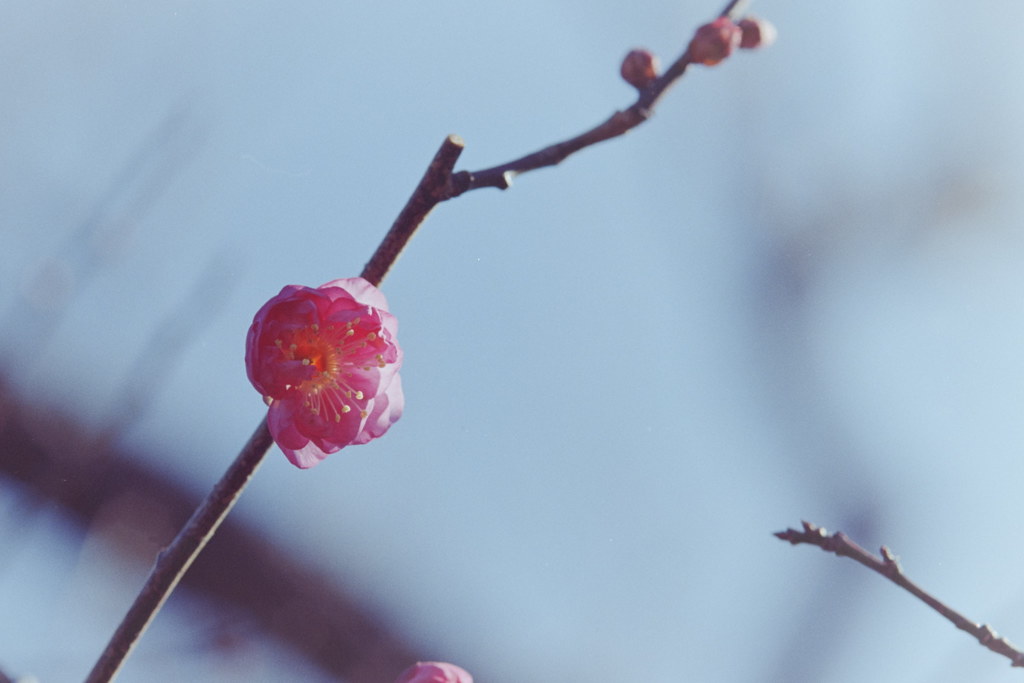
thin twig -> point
(617, 124)
(888, 566)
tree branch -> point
(888, 566)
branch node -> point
(458, 183)
(891, 561)
(835, 543)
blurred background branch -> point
(138, 510)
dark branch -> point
(888, 566)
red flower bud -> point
(639, 68)
(715, 41)
(756, 33)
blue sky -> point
(793, 294)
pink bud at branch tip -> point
(714, 42)
(434, 672)
(756, 33)
(326, 360)
(639, 68)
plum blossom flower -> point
(434, 672)
(326, 361)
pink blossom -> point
(326, 360)
(434, 672)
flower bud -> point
(756, 33)
(715, 41)
(639, 68)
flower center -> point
(335, 352)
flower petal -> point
(305, 457)
(387, 408)
(281, 422)
(359, 289)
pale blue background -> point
(795, 293)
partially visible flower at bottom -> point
(326, 361)
(434, 672)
